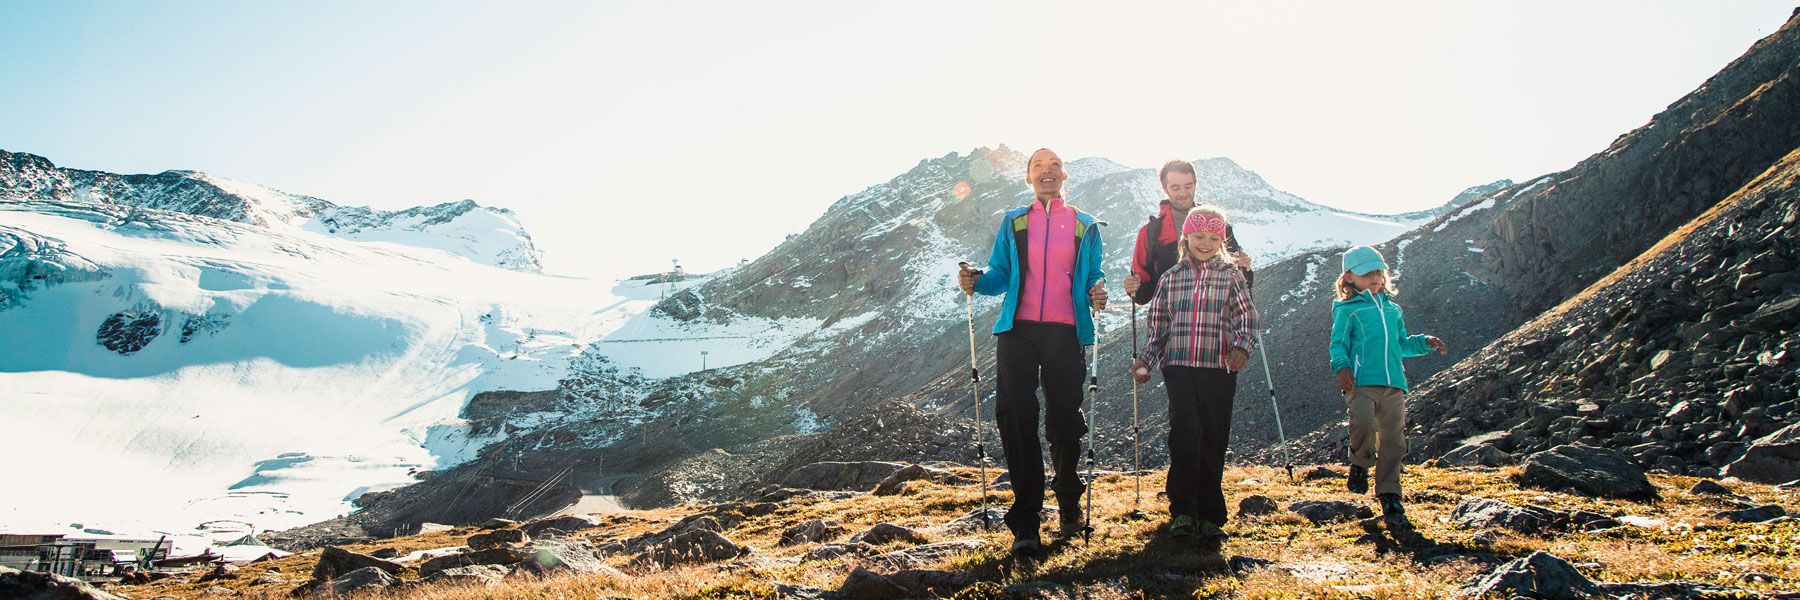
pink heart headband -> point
(1204, 223)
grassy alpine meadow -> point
(1276, 555)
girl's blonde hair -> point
(1208, 209)
(1346, 289)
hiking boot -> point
(1027, 547)
(1212, 537)
(1359, 480)
(1391, 508)
(1182, 528)
(1069, 524)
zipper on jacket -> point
(1387, 373)
(1044, 273)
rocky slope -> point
(1684, 357)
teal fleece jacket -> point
(1368, 336)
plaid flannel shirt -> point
(1201, 311)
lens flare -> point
(962, 190)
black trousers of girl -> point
(1199, 432)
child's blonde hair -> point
(1206, 209)
(1346, 289)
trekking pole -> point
(975, 397)
(1286, 458)
(1087, 516)
(1137, 468)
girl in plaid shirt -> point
(1202, 329)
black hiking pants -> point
(1028, 354)
(1199, 431)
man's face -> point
(1180, 188)
(1045, 174)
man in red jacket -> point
(1156, 240)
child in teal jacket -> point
(1368, 340)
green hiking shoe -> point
(1182, 527)
(1212, 537)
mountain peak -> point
(498, 239)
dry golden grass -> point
(1130, 559)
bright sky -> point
(629, 133)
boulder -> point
(885, 533)
(1540, 575)
(1601, 472)
(223, 571)
(892, 484)
(499, 523)
(480, 575)
(932, 583)
(863, 584)
(817, 530)
(695, 545)
(565, 523)
(1239, 566)
(498, 538)
(1482, 513)
(503, 556)
(1257, 504)
(853, 476)
(976, 520)
(1320, 512)
(1317, 473)
(1773, 459)
(1470, 455)
(28, 584)
(1753, 515)
(1708, 487)
(361, 580)
(558, 557)
(335, 561)
(919, 556)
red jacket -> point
(1156, 251)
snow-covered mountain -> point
(487, 235)
(264, 357)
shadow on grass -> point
(1400, 538)
(1162, 567)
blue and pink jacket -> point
(1044, 262)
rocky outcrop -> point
(834, 475)
(1321, 512)
(1600, 472)
(1775, 458)
(335, 561)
